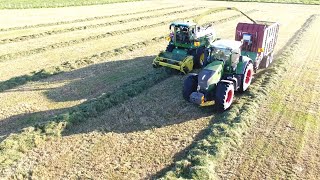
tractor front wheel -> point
(224, 95)
(189, 86)
(246, 78)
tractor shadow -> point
(135, 114)
(81, 84)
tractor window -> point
(182, 34)
(220, 54)
(235, 57)
(247, 42)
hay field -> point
(80, 99)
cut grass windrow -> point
(53, 32)
(69, 66)
(86, 19)
(15, 145)
(10, 56)
(225, 131)
(82, 62)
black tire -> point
(189, 86)
(170, 48)
(198, 59)
(246, 78)
(206, 57)
(265, 62)
(224, 95)
(186, 70)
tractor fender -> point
(226, 81)
(243, 62)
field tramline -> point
(81, 84)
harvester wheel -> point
(170, 48)
(189, 86)
(246, 78)
(199, 59)
(186, 70)
(224, 95)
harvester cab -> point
(187, 42)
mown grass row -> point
(82, 62)
(225, 131)
(28, 4)
(68, 66)
(85, 19)
(11, 56)
(93, 26)
(16, 145)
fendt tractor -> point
(230, 64)
(187, 43)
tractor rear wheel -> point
(246, 78)
(189, 86)
(224, 95)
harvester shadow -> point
(84, 78)
(88, 78)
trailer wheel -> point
(189, 86)
(224, 95)
(246, 78)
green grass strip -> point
(28, 4)
(225, 131)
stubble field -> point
(80, 99)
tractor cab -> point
(227, 51)
(182, 32)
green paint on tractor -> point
(187, 42)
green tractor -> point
(226, 71)
(187, 43)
